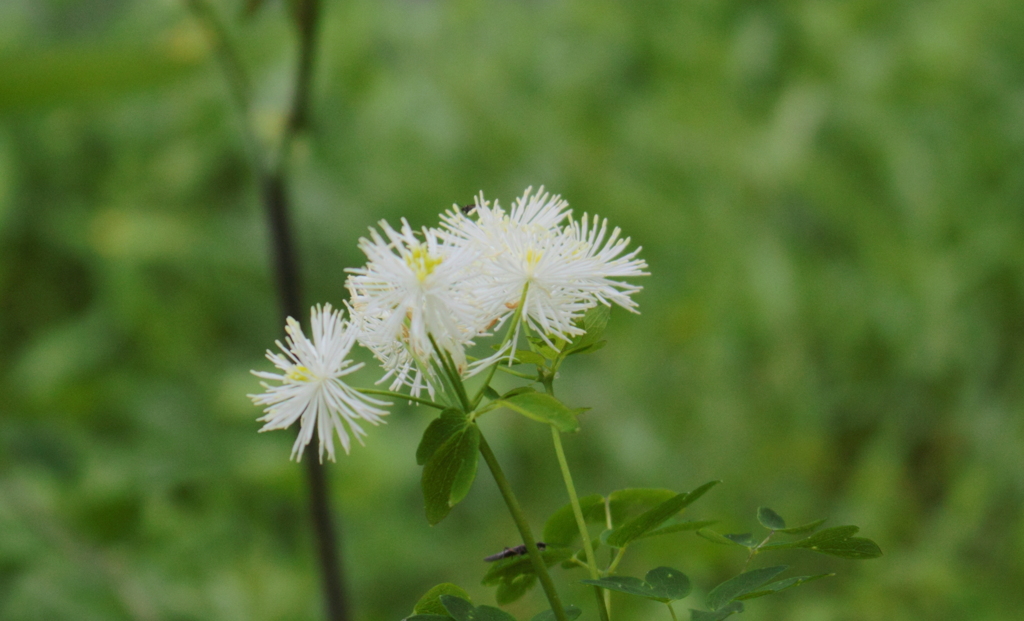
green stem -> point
(671, 611)
(581, 522)
(526, 376)
(524, 530)
(398, 395)
(757, 548)
(450, 370)
(508, 336)
(615, 561)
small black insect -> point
(510, 552)
(468, 209)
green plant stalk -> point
(398, 395)
(615, 561)
(581, 522)
(757, 548)
(671, 611)
(447, 367)
(524, 530)
(508, 336)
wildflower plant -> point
(537, 285)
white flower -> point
(310, 386)
(399, 365)
(569, 266)
(410, 291)
(599, 263)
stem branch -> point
(581, 522)
(398, 395)
(524, 530)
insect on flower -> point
(510, 552)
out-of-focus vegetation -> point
(830, 196)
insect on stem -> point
(519, 550)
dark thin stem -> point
(272, 177)
(524, 530)
(307, 16)
(328, 548)
(286, 269)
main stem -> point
(286, 267)
(581, 522)
(524, 530)
(272, 178)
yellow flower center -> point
(299, 374)
(421, 262)
(532, 258)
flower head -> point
(416, 288)
(564, 266)
(311, 388)
(400, 368)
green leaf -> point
(571, 613)
(516, 586)
(543, 408)
(593, 323)
(449, 473)
(744, 539)
(461, 610)
(655, 517)
(741, 585)
(538, 345)
(836, 541)
(700, 491)
(561, 530)
(630, 502)
(438, 431)
(810, 527)
(662, 584)
(430, 603)
(782, 585)
(491, 393)
(714, 537)
(589, 349)
(717, 615)
(490, 613)
(668, 583)
(623, 584)
(514, 576)
(596, 319)
(770, 519)
(444, 617)
(678, 527)
(518, 391)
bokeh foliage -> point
(829, 195)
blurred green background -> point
(830, 196)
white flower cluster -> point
(433, 292)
